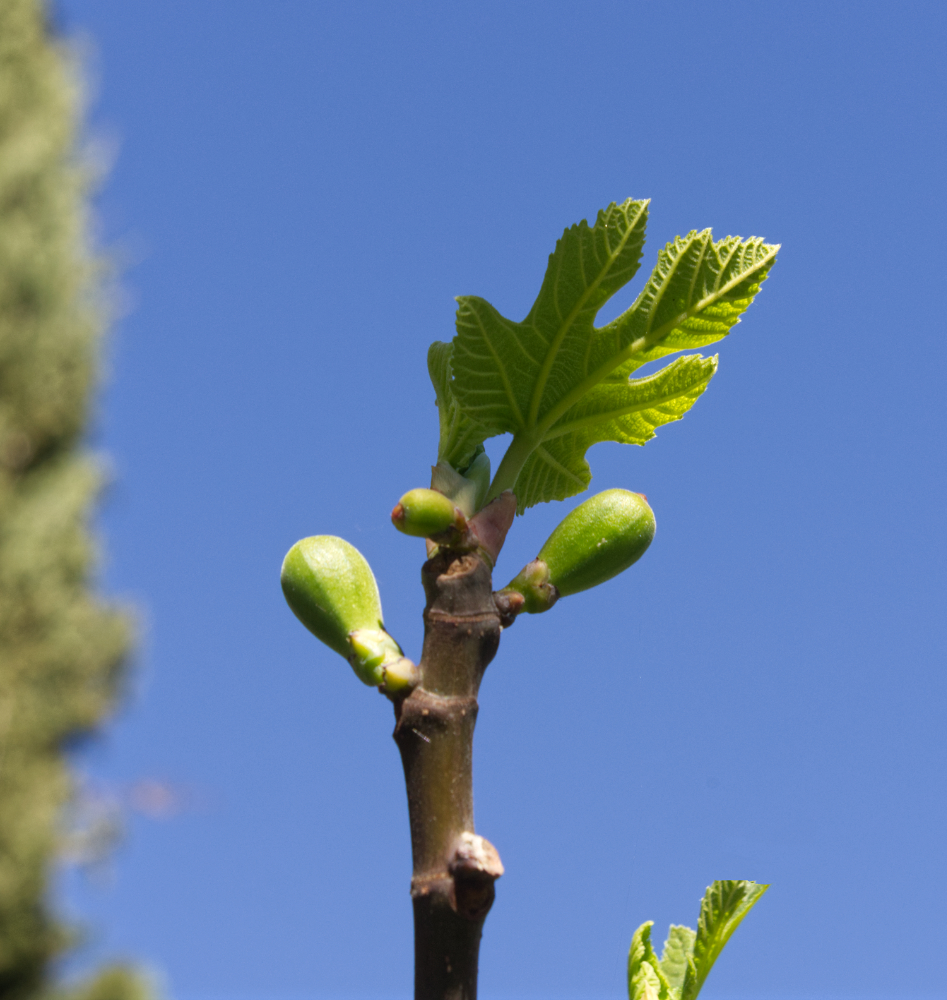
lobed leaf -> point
(558, 384)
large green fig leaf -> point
(559, 384)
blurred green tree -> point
(62, 648)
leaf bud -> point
(466, 490)
(598, 540)
(478, 473)
(330, 588)
(399, 676)
(426, 513)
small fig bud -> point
(598, 540)
(399, 676)
(509, 604)
(425, 513)
(331, 589)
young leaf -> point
(646, 980)
(460, 436)
(558, 384)
(722, 909)
(678, 956)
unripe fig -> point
(425, 513)
(598, 540)
(331, 589)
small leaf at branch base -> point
(536, 594)
(489, 526)
(372, 651)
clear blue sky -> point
(300, 189)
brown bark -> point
(454, 870)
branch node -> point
(509, 603)
(474, 866)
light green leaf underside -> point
(723, 908)
(646, 980)
(534, 378)
(677, 956)
(459, 435)
(694, 297)
(627, 412)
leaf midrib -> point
(566, 325)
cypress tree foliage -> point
(62, 649)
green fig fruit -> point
(596, 541)
(426, 513)
(330, 588)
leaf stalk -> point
(519, 450)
